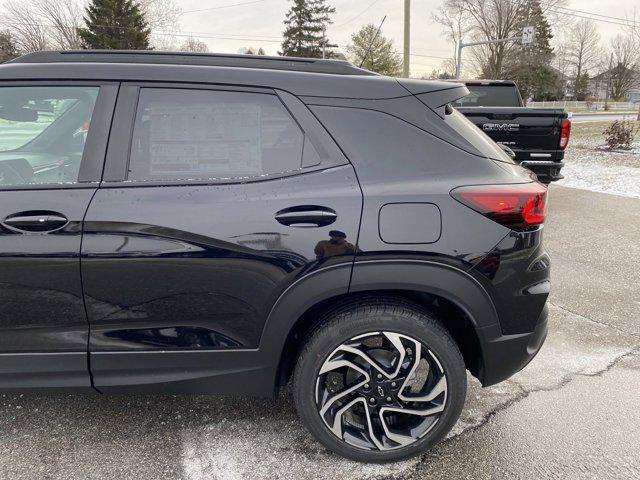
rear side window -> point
(490, 96)
(43, 131)
(182, 134)
(476, 137)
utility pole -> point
(324, 41)
(606, 93)
(407, 38)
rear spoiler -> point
(435, 94)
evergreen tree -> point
(529, 65)
(8, 50)
(305, 24)
(581, 87)
(380, 57)
(437, 74)
(115, 24)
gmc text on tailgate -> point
(537, 136)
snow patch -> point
(615, 172)
(274, 446)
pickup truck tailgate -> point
(526, 131)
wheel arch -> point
(452, 294)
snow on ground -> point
(266, 441)
(590, 166)
(601, 172)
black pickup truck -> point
(537, 136)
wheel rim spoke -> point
(376, 409)
(367, 359)
(333, 365)
(438, 388)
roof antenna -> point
(372, 41)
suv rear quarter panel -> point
(397, 162)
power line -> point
(231, 36)
(572, 12)
(222, 6)
(603, 20)
(632, 22)
(225, 36)
(429, 56)
(358, 15)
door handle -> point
(306, 216)
(35, 221)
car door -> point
(52, 144)
(215, 201)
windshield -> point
(490, 96)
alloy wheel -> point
(381, 391)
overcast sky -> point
(258, 23)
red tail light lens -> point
(565, 133)
(520, 207)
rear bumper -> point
(505, 355)
(547, 171)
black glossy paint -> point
(203, 263)
(196, 286)
(518, 273)
(41, 306)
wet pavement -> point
(574, 412)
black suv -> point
(193, 223)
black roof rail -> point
(481, 81)
(313, 65)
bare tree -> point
(490, 20)
(583, 50)
(634, 29)
(561, 54)
(457, 25)
(192, 44)
(163, 17)
(26, 27)
(63, 19)
(625, 58)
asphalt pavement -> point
(574, 412)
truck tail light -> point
(521, 207)
(565, 133)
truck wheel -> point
(380, 381)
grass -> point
(588, 129)
(589, 135)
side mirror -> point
(18, 114)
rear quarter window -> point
(384, 148)
(476, 137)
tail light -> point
(565, 133)
(521, 207)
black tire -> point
(383, 315)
